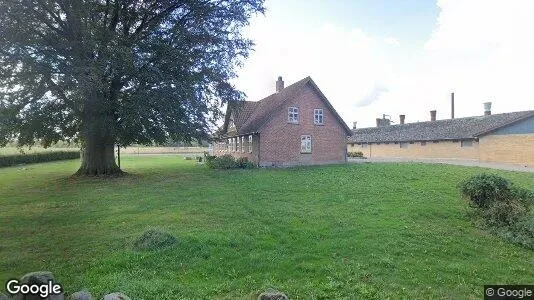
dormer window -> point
(293, 115)
(318, 117)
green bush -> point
(501, 207)
(17, 159)
(504, 212)
(358, 154)
(244, 163)
(483, 189)
(227, 161)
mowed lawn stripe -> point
(364, 230)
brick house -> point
(296, 125)
(503, 138)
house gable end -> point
(309, 84)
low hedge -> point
(356, 154)
(227, 161)
(17, 159)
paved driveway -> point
(459, 162)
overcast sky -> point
(374, 57)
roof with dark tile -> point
(250, 116)
(449, 129)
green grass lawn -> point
(358, 230)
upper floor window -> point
(292, 114)
(318, 118)
(250, 143)
(305, 144)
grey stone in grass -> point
(39, 278)
(272, 295)
(116, 296)
(81, 295)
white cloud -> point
(480, 49)
(345, 63)
(392, 41)
(373, 96)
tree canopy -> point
(104, 72)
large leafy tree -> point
(107, 72)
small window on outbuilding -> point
(466, 143)
(404, 145)
(423, 143)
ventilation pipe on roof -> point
(279, 84)
(487, 108)
(432, 115)
(402, 118)
(354, 125)
(452, 105)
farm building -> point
(296, 125)
(504, 138)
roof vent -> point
(402, 118)
(354, 125)
(432, 115)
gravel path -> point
(459, 162)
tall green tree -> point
(107, 72)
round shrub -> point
(483, 189)
(154, 239)
(504, 213)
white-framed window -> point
(238, 145)
(242, 144)
(305, 144)
(250, 144)
(318, 117)
(229, 145)
(235, 144)
(292, 114)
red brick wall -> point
(280, 140)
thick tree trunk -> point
(97, 138)
(98, 159)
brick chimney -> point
(402, 118)
(279, 84)
(354, 125)
(487, 108)
(432, 115)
